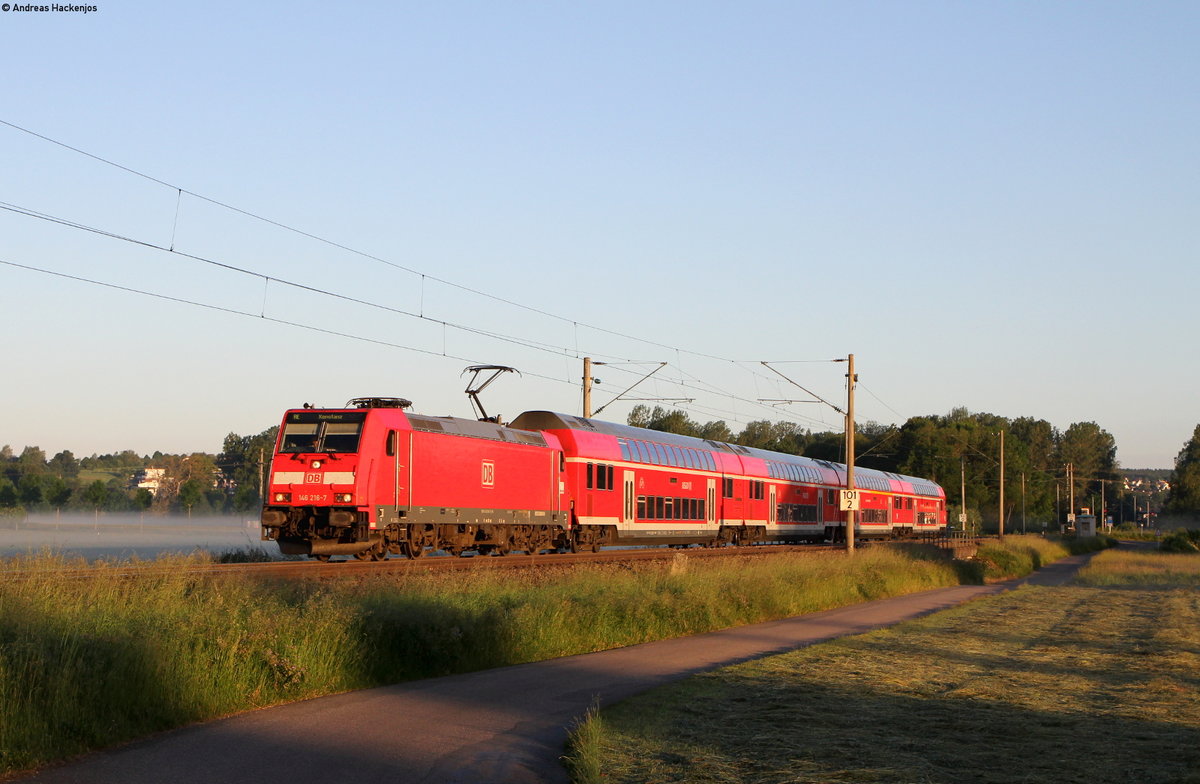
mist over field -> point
(123, 536)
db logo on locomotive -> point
(489, 473)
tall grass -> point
(1017, 556)
(584, 744)
(1141, 568)
(89, 662)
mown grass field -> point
(1096, 682)
(87, 663)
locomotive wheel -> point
(417, 539)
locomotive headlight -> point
(281, 498)
(316, 464)
(344, 498)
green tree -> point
(64, 464)
(142, 499)
(663, 420)
(716, 431)
(118, 498)
(31, 490)
(245, 499)
(191, 492)
(242, 462)
(180, 469)
(1184, 499)
(95, 494)
(58, 492)
(757, 434)
(1092, 453)
(32, 461)
(8, 493)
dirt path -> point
(503, 725)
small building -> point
(149, 479)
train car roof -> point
(865, 478)
(473, 428)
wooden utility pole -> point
(587, 387)
(962, 467)
(1071, 480)
(1001, 484)
(1023, 502)
(851, 514)
(1100, 517)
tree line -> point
(197, 483)
(958, 451)
(961, 452)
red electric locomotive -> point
(371, 479)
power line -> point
(267, 279)
(180, 191)
(347, 248)
(15, 208)
(234, 311)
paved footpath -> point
(497, 726)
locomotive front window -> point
(320, 437)
(341, 437)
(299, 437)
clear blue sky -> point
(992, 205)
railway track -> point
(438, 564)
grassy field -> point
(86, 663)
(1141, 568)
(1097, 682)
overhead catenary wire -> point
(527, 343)
(235, 311)
(267, 279)
(341, 246)
(732, 416)
(347, 248)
